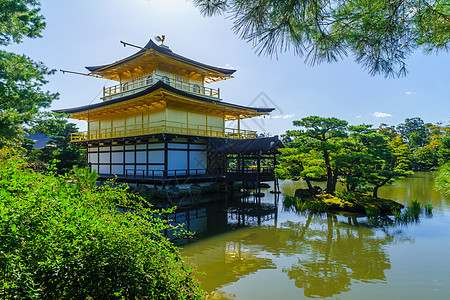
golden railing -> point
(146, 81)
(162, 127)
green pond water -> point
(268, 251)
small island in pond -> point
(343, 202)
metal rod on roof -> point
(78, 73)
(135, 46)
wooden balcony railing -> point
(162, 127)
(144, 82)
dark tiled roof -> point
(153, 88)
(162, 50)
(249, 146)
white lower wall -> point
(178, 159)
(197, 160)
(117, 169)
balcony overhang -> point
(158, 95)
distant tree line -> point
(361, 157)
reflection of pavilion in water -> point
(222, 216)
(249, 213)
(330, 254)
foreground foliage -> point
(60, 242)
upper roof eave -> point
(151, 45)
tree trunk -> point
(375, 191)
(310, 187)
(376, 187)
(330, 186)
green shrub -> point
(60, 243)
(301, 205)
(443, 179)
(372, 212)
(413, 211)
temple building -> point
(161, 121)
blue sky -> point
(82, 33)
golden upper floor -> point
(153, 63)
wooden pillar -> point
(166, 158)
(88, 159)
(146, 158)
(206, 122)
(258, 172)
(276, 188)
(110, 159)
(98, 158)
(124, 156)
(223, 126)
(188, 157)
(239, 126)
(135, 155)
(187, 122)
(88, 128)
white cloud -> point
(358, 116)
(381, 115)
(410, 93)
(277, 117)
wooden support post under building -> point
(239, 126)
(276, 183)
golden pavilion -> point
(162, 121)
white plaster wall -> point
(177, 160)
(197, 160)
(195, 146)
(93, 158)
(177, 146)
(156, 156)
(129, 157)
(104, 158)
(156, 146)
(117, 157)
(118, 170)
(103, 169)
(141, 157)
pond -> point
(268, 251)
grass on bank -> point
(353, 202)
(359, 203)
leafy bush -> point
(443, 179)
(300, 205)
(58, 242)
(413, 211)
